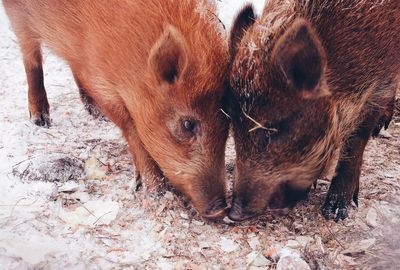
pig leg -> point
(147, 169)
(88, 102)
(114, 109)
(37, 97)
(345, 184)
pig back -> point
(361, 39)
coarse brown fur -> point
(310, 78)
(156, 68)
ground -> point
(68, 199)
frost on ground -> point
(68, 199)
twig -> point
(258, 125)
(90, 212)
(58, 85)
(13, 208)
(116, 250)
(16, 204)
(94, 223)
(25, 160)
(102, 163)
(222, 110)
(51, 135)
(333, 236)
(16, 225)
(113, 237)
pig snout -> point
(207, 194)
(238, 211)
(216, 209)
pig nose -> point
(238, 212)
(216, 209)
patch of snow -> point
(229, 9)
(32, 249)
(92, 213)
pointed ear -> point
(168, 58)
(243, 21)
(300, 55)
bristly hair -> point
(253, 72)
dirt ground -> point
(68, 199)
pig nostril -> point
(216, 209)
(237, 213)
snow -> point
(228, 9)
(91, 213)
(228, 245)
(32, 249)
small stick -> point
(90, 212)
(51, 135)
(333, 236)
(25, 160)
(258, 125)
(94, 223)
(227, 115)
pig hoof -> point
(341, 214)
(138, 183)
(335, 210)
(355, 198)
(383, 123)
(41, 119)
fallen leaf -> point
(372, 217)
(293, 244)
(261, 261)
(91, 214)
(93, 169)
(69, 187)
(359, 247)
(236, 229)
(228, 245)
(253, 242)
(184, 216)
(292, 262)
(385, 134)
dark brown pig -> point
(311, 80)
(156, 68)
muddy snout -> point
(216, 209)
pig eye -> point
(189, 126)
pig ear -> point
(169, 57)
(243, 21)
(301, 57)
